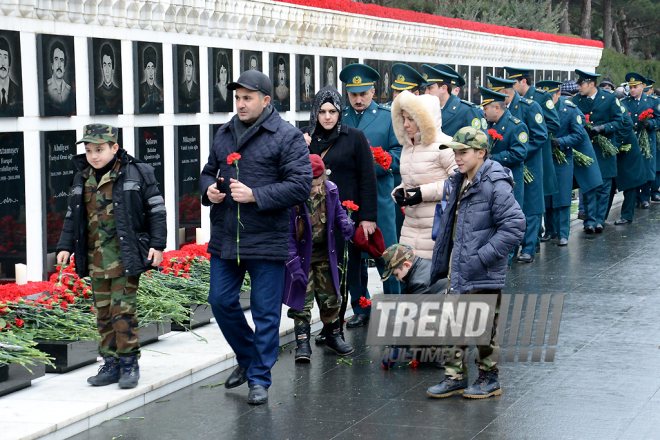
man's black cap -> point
(252, 80)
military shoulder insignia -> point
(578, 118)
(484, 124)
(522, 137)
(658, 106)
(570, 103)
(470, 104)
(384, 107)
(550, 104)
(516, 121)
(476, 123)
(538, 118)
(529, 101)
(617, 101)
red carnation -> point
(19, 322)
(364, 302)
(403, 210)
(586, 118)
(233, 157)
(494, 134)
(414, 363)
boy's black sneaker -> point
(130, 372)
(108, 373)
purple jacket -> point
(300, 252)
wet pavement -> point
(603, 384)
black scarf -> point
(323, 139)
(105, 169)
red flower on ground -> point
(364, 302)
(19, 322)
(233, 157)
(414, 363)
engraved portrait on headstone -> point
(251, 60)
(329, 72)
(57, 75)
(11, 84)
(186, 78)
(279, 74)
(148, 77)
(105, 76)
(220, 73)
(306, 82)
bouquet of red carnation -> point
(381, 157)
(605, 144)
(351, 207)
(494, 137)
(644, 143)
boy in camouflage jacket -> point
(116, 227)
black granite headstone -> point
(150, 149)
(58, 149)
(187, 180)
(12, 203)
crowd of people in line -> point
(442, 194)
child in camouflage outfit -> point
(312, 240)
(116, 227)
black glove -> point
(415, 198)
(399, 197)
(644, 124)
(555, 143)
(597, 129)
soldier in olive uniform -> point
(116, 227)
(376, 122)
(606, 119)
(529, 112)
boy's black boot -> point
(334, 341)
(320, 338)
(303, 349)
(108, 373)
(130, 372)
(488, 384)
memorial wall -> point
(159, 70)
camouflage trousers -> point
(321, 287)
(115, 300)
(488, 354)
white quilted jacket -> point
(423, 165)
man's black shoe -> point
(357, 320)
(303, 349)
(258, 395)
(622, 221)
(525, 258)
(655, 198)
(599, 228)
(547, 238)
(589, 230)
(645, 205)
(237, 378)
(447, 387)
(563, 242)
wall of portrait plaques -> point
(166, 91)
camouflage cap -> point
(99, 134)
(468, 137)
(394, 256)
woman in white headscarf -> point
(424, 167)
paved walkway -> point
(604, 383)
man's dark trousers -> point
(255, 350)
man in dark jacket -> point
(480, 225)
(116, 227)
(250, 224)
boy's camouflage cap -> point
(468, 137)
(99, 134)
(394, 256)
